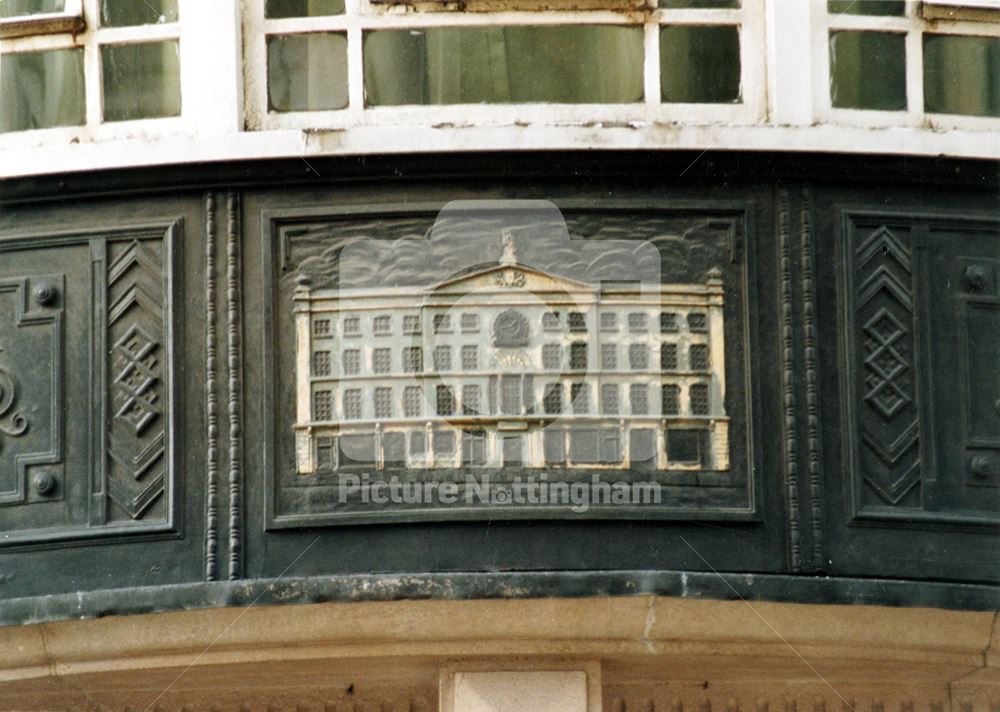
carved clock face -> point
(510, 329)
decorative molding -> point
(814, 442)
(137, 403)
(211, 404)
(789, 401)
(234, 365)
(37, 303)
(12, 422)
(888, 416)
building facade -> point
(326, 325)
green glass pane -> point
(39, 90)
(866, 7)
(962, 75)
(303, 8)
(123, 13)
(700, 64)
(19, 8)
(700, 4)
(868, 70)
(497, 65)
(307, 72)
(141, 81)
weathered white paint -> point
(60, 155)
(69, 20)
(785, 79)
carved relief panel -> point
(923, 358)
(86, 400)
(471, 352)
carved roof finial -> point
(509, 256)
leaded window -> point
(609, 398)
(413, 402)
(638, 357)
(638, 394)
(699, 399)
(383, 402)
(413, 359)
(352, 404)
(552, 357)
(351, 362)
(381, 360)
(470, 357)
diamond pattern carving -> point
(135, 362)
(889, 427)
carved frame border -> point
(741, 252)
(170, 232)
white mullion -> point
(254, 50)
(688, 16)
(651, 64)
(915, 73)
(138, 34)
(355, 61)
(306, 25)
(753, 64)
(93, 80)
(821, 86)
(355, 73)
(874, 23)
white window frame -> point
(361, 16)
(69, 20)
(208, 35)
(912, 25)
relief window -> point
(699, 399)
(413, 359)
(638, 357)
(470, 357)
(609, 399)
(609, 357)
(698, 357)
(442, 358)
(638, 394)
(352, 362)
(471, 400)
(413, 402)
(381, 360)
(552, 357)
(352, 404)
(552, 399)
(671, 399)
(383, 402)
(445, 402)
(668, 357)
(321, 363)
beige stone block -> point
(514, 686)
(517, 691)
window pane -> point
(303, 8)
(700, 64)
(700, 4)
(497, 65)
(18, 8)
(307, 72)
(122, 13)
(868, 70)
(39, 90)
(866, 7)
(962, 75)
(141, 81)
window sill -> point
(28, 25)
